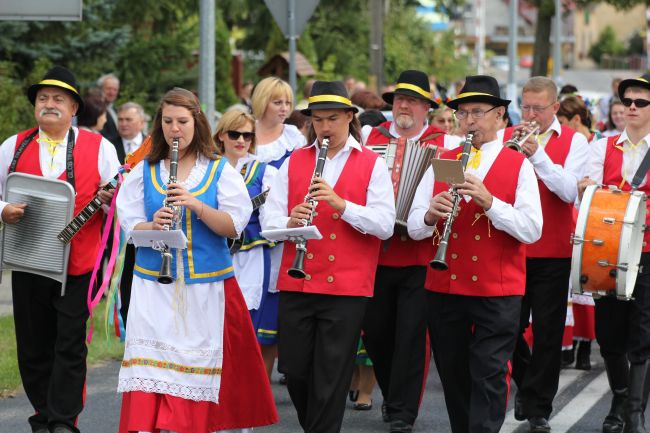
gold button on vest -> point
(330, 279)
(330, 258)
(453, 276)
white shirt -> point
(451, 141)
(249, 264)
(562, 181)
(131, 145)
(376, 218)
(523, 221)
(290, 139)
(232, 195)
(632, 158)
(53, 166)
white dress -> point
(167, 322)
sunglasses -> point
(234, 135)
(640, 103)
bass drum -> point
(607, 242)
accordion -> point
(407, 160)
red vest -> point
(400, 250)
(344, 262)
(612, 176)
(483, 261)
(556, 232)
(83, 248)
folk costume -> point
(253, 260)
(474, 306)
(558, 162)
(623, 327)
(320, 316)
(395, 320)
(190, 346)
(50, 328)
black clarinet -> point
(439, 262)
(298, 268)
(165, 274)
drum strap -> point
(641, 172)
(69, 163)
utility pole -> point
(557, 46)
(513, 38)
(207, 58)
(480, 35)
(376, 79)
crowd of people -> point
(477, 278)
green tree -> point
(606, 44)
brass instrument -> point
(521, 136)
(298, 268)
(439, 262)
(165, 274)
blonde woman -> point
(272, 103)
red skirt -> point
(585, 322)
(245, 397)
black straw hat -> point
(412, 83)
(643, 81)
(327, 95)
(60, 77)
(479, 88)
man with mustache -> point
(395, 322)
(50, 328)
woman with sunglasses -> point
(235, 139)
(272, 103)
(190, 364)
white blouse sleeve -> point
(130, 200)
(233, 198)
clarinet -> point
(298, 268)
(439, 262)
(165, 274)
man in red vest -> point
(474, 304)
(50, 328)
(623, 327)
(395, 322)
(558, 154)
(320, 315)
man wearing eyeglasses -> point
(558, 154)
(623, 327)
(474, 305)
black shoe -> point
(539, 424)
(399, 426)
(613, 424)
(568, 356)
(519, 408)
(362, 406)
(385, 416)
(583, 361)
(353, 394)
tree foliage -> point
(607, 43)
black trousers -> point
(317, 341)
(623, 327)
(395, 337)
(473, 339)
(127, 279)
(50, 336)
(537, 374)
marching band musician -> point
(623, 327)
(474, 306)
(320, 316)
(190, 361)
(235, 139)
(395, 321)
(558, 154)
(51, 329)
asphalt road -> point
(580, 406)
